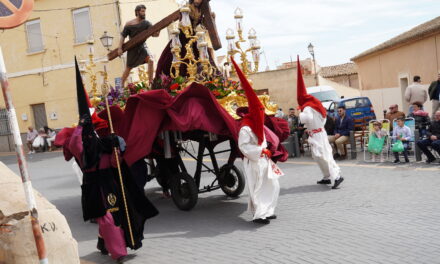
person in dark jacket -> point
(343, 125)
(421, 119)
(434, 94)
(330, 126)
(433, 139)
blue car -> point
(359, 109)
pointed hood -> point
(84, 104)
(305, 99)
(83, 99)
(255, 118)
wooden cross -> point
(142, 36)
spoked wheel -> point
(231, 180)
(184, 191)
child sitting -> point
(378, 134)
(402, 133)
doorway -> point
(403, 85)
(40, 118)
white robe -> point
(322, 152)
(262, 182)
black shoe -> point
(406, 160)
(336, 156)
(342, 157)
(324, 181)
(337, 182)
(261, 221)
(396, 161)
(271, 217)
(101, 246)
(429, 160)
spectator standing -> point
(434, 94)
(433, 139)
(343, 125)
(30, 137)
(295, 126)
(415, 93)
(394, 113)
(292, 120)
(402, 133)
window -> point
(34, 37)
(82, 24)
(4, 123)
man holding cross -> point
(138, 55)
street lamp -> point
(312, 52)
(106, 40)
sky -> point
(338, 29)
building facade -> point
(387, 69)
(39, 55)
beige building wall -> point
(383, 76)
(48, 76)
(346, 80)
(281, 85)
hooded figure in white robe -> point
(260, 171)
(313, 117)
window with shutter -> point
(34, 36)
(82, 24)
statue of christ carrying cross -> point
(138, 55)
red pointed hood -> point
(305, 99)
(255, 118)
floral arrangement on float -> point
(219, 87)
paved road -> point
(382, 214)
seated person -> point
(378, 133)
(343, 125)
(30, 137)
(40, 141)
(51, 134)
(421, 118)
(402, 133)
(433, 138)
(330, 126)
(394, 113)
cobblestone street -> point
(381, 214)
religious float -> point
(188, 100)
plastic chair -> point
(384, 155)
(411, 123)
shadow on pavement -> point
(213, 215)
(306, 189)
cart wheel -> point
(232, 183)
(184, 191)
